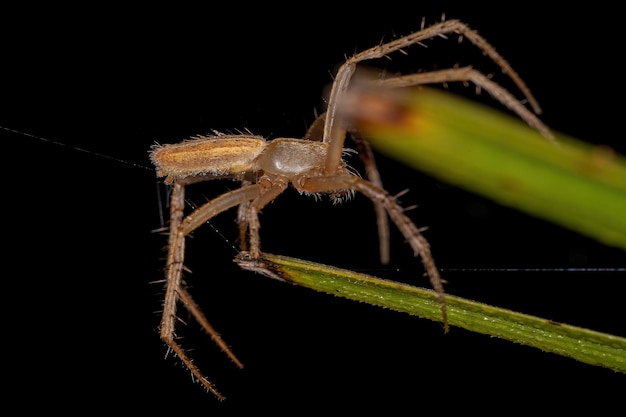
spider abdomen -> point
(202, 155)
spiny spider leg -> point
(468, 74)
(242, 221)
(269, 194)
(465, 74)
(197, 313)
(179, 229)
(315, 133)
(371, 171)
(411, 233)
(335, 133)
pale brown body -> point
(311, 165)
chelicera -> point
(312, 165)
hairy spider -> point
(312, 165)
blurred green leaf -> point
(576, 185)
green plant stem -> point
(581, 344)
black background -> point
(80, 256)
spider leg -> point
(315, 133)
(334, 133)
(419, 244)
(197, 313)
(179, 229)
(269, 194)
(371, 171)
(242, 221)
(468, 74)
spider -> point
(312, 165)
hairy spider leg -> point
(179, 228)
(335, 133)
(482, 82)
(315, 132)
(411, 233)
